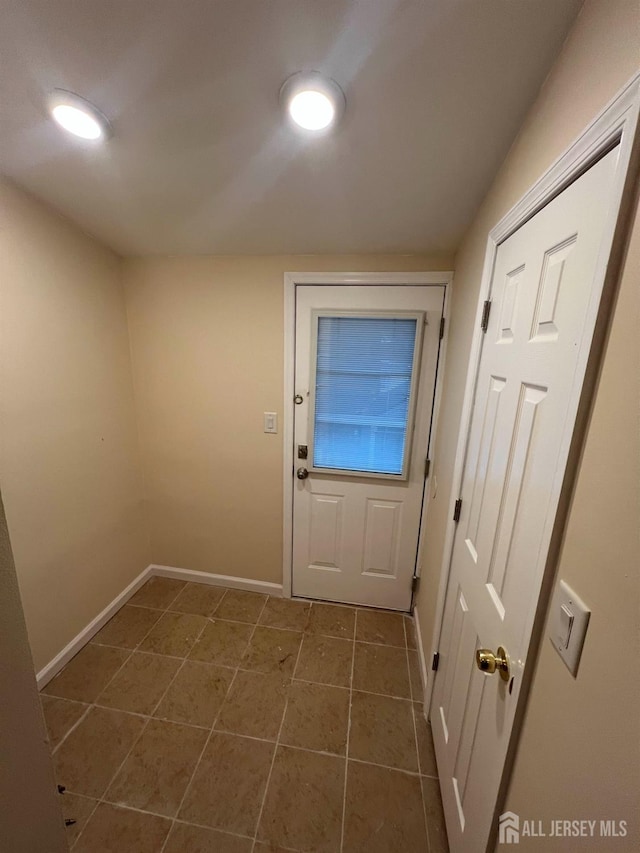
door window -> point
(363, 381)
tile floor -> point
(201, 719)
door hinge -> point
(442, 328)
(414, 583)
(435, 661)
(427, 467)
(486, 310)
(457, 510)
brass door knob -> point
(487, 662)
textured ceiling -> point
(201, 161)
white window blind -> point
(364, 378)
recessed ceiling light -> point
(312, 103)
(78, 116)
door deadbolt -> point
(487, 662)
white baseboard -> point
(60, 660)
(423, 664)
(54, 666)
(217, 580)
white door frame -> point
(291, 281)
(617, 123)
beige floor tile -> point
(185, 838)
(375, 626)
(196, 695)
(325, 660)
(128, 628)
(228, 786)
(255, 705)
(198, 598)
(383, 811)
(415, 678)
(426, 752)
(156, 774)
(78, 809)
(223, 643)
(158, 593)
(317, 717)
(139, 685)
(435, 817)
(272, 650)
(382, 731)
(240, 606)
(303, 806)
(60, 715)
(381, 669)
(175, 634)
(332, 620)
(117, 830)
(87, 674)
(87, 760)
(410, 632)
(285, 613)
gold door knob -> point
(487, 662)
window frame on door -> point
(419, 317)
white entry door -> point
(365, 370)
(543, 282)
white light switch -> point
(568, 625)
(271, 422)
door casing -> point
(296, 279)
(616, 124)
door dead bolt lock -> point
(303, 451)
(298, 399)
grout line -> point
(174, 819)
(137, 607)
(415, 735)
(355, 689)
(213, 618)
(346, 752)
(275, 750)
(304, 633)
(211, 731)
(142, 730)
(176, 596)
(177, 673)
(96, 703)
(153, 717)
(413, 711)
(93, 704)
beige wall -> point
(69, 463)
(207, 346)
(579, 749)
(27, 786)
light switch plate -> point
(271, 422)
(568, 625)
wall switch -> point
(270, 422)
(568, 625)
